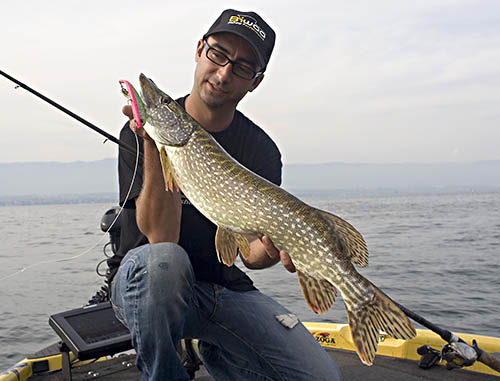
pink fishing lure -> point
(130, 93)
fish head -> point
(167, 122)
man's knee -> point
(160, 270)
(167, 261)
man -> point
(173, 286)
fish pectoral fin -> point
(227, 244)
(318, 293)
(354, 245)
(168, 176)
(243, 244)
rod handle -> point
(490, 361)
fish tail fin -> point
(380, 314)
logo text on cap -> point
(249, 22)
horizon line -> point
(284, 164)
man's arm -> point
(158, 212)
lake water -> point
(437, 254)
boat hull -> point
(336, 338)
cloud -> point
(348, 81)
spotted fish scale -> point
(323, 247)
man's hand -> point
(264, 254)
(276, 254)
(158, 212)
(127, 111)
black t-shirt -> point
(244, 141)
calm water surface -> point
(436, 254)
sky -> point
(349, 81)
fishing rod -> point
(125, 146)
(457, 352)
(133, 150)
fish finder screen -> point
(97, 326)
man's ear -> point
(257, 82)
(199, 50)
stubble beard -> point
(216, 101)
(212, 99)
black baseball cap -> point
(249, 26)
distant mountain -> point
(55, 178)
(481, 175)
(46, 180)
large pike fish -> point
(323, 247)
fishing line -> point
(123, 145)
(70, 113)
(103, 236)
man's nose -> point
(225, 72)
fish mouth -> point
(152, 96)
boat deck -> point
(122, 368)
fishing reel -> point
(110, 223)
(457, 354)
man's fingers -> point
(127, 111)
(268, 245)
(276, 254)
(287, 261)
(132, 125)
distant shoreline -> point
(97, 181)
(112, 198)
(62, 199)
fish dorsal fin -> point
(168, 176)
(227, 244)
(318, 293)
(352, 241)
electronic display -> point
(91, 331)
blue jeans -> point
(156, 296)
